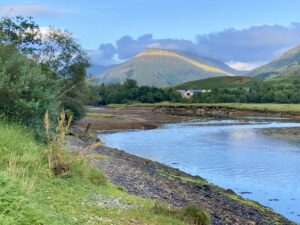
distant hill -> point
(97, 69)
(218, 82)
(162, 68)
(284, 80)
(286, 65)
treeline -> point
(40, 73)
(277, 91)
(129, 92)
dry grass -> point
(56, 143)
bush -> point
(26, 90)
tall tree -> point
(65, 58)
(22, 32)
(57, 51)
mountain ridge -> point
(159, 67)
(288, 64)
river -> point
(230, 153)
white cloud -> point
(242, 49)
(244, 65)
(45, 31)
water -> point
(228, 153)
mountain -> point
(286, 65)
(218, 82)
(161, 68)
(97, 69)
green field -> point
(31, 195)
(218, 82)
(273, 108)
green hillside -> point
(218, 82)
(164, 68)
(286, 65)
(284, 80)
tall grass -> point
(56, 143)
(31, 195)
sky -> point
(243, 33)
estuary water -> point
(230, 153)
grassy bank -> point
(259, 107)
(30, 194)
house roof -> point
(190, 90)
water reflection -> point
(229, 153)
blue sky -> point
(95, 22)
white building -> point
(189, 93)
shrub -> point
(26, 90)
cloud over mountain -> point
(246, 46)
(257, 43)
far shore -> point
(117, 117)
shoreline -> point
(150, 116)
(154, 180)
(150, 179)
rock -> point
(230, 191)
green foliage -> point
(39, 74)
(68, 61)
(242, 90)
(129, 91)
(22, 32)
(271, 91)
(26, 91)
(15, 208)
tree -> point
(26, 91)
(57, 51)
(20, 31)
(68, 61)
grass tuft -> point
(192, 215)
(196, 215)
